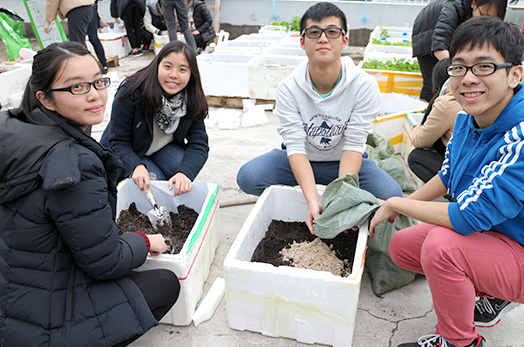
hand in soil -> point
(132, 220)
(157, 244)
(314, 210)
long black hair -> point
(146, 79)
(47, 64)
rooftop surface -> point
(402, 315)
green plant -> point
(294, 25)
(384, 32)
(392, 65)
(389, 43)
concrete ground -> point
(399, 316)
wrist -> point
(146, 240)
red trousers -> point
(458, 268)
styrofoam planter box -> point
(307, 305)
(393, 112)
(14, 81)
(408, 83)
(113, 43)
(192, 263)
(267, 71)
(224, 74)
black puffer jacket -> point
(62, 264)
(203, 20)
(117, 7)
(435, 24)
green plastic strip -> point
(40, 9)
(203, 219)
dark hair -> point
(146, 79)
(500, 5)
(481, 31)
(47, 63)
(438, 77)
(320, 11)
(440, 74)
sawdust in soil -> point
(291, 244)
(132, 221)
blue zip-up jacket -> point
(484, 172)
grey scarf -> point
(170, 113)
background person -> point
(154, 21)
(170, 7)
(431, 135)
(434, 27)
(131, 12)
(326, 108)
(92, 33)
(78, 13)
(474, 245)
(67, 277)
(157, 121)
(204, 31)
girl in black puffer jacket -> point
(66, 277)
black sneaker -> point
(489, 310)
(435, 340)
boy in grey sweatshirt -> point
(326, 108)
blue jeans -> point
(165, 162)
(180, 6)
(273, 168)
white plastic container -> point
(307, 305)
(225, 74)
(193, 262)
(389, 124)
(159, 41)
(113, 43)
(13, 81)
(266, 71)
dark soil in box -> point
(291, 244)
(132, 221)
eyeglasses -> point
(85, 87)
(331, 33)
(479, 69)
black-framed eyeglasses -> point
(85, 87)
(316, 32)
(479, 69)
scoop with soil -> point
(132, 221)
(291, 244)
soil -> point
(291, 244)
(132, 221)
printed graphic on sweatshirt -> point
(324, 132)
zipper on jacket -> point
(474, 133)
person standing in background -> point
(434, 27)
(92, 33)
(180, 6)
(78, 13)
(131, 12)
(204, 31)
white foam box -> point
(113, 43)
(266, 71)
(193, 262)
(389, 123)
(225, 73)
(306, 305)
(410, 121)
(13, 81)
(159, 41)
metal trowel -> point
(159, 215)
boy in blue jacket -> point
(474, 245)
